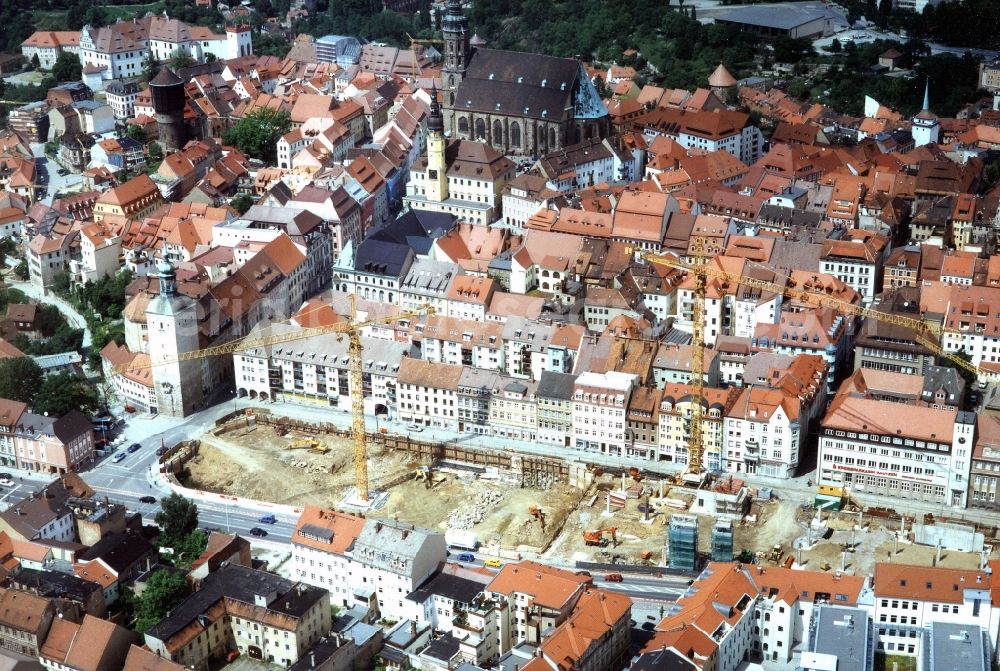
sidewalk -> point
(72, 316)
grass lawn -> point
(114, 12)
(885, 662)
(54, 19)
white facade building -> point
(885, 449)
(600, 401)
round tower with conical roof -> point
(168, 103)
(721, 81)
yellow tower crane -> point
(924, 333)
(352, 330)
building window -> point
(515, 134)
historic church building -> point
(519, 103)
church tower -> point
(926, 128)
(457, 50)
(437, 168)
(172, 325)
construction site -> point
(572, 514)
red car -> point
(613, 577)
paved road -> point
(47, 171)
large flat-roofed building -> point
(789, 21)
(840, 639)
(880, 448)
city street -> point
(47, 171)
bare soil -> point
(507, 523)
(259, 465)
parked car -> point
(493, 563)
(267, 519)
(415, 428)
(134, 447)
(466, 556)
(147, 499)
(257, 531)
(6, 479)
(613, 577)
(119, 457)
(232, 654)
(648, 626)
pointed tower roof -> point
(477, 41)
(435, 122)
(721, 78)
(925, 111)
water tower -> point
(168, 102)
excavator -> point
(424, 473)
(310, 444)
(597, 537)
(538, 514)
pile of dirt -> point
(505, 519)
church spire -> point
(927, 96)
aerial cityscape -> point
(500, 335)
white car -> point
(415, 428)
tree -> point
(150, 67)
(178, 517)
(67, 68)
(137, 133)
(257, 134)
(242, 203)
(65, 391)
(35, 63)
(164, 590)
(155, 151)
(20, 379)
(60, 283)
(180, 59)
(189, 548)
(210, 57)
(21, 270)
(990, 176)
(835, 46)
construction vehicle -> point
(424, 473)
(596, 537)
(775, 554)
(538, 514)
(309, 444)
(646, 555)
(634, 473)
(923, 332)
(352, 331)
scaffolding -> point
(682, 539)
(722, 541)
